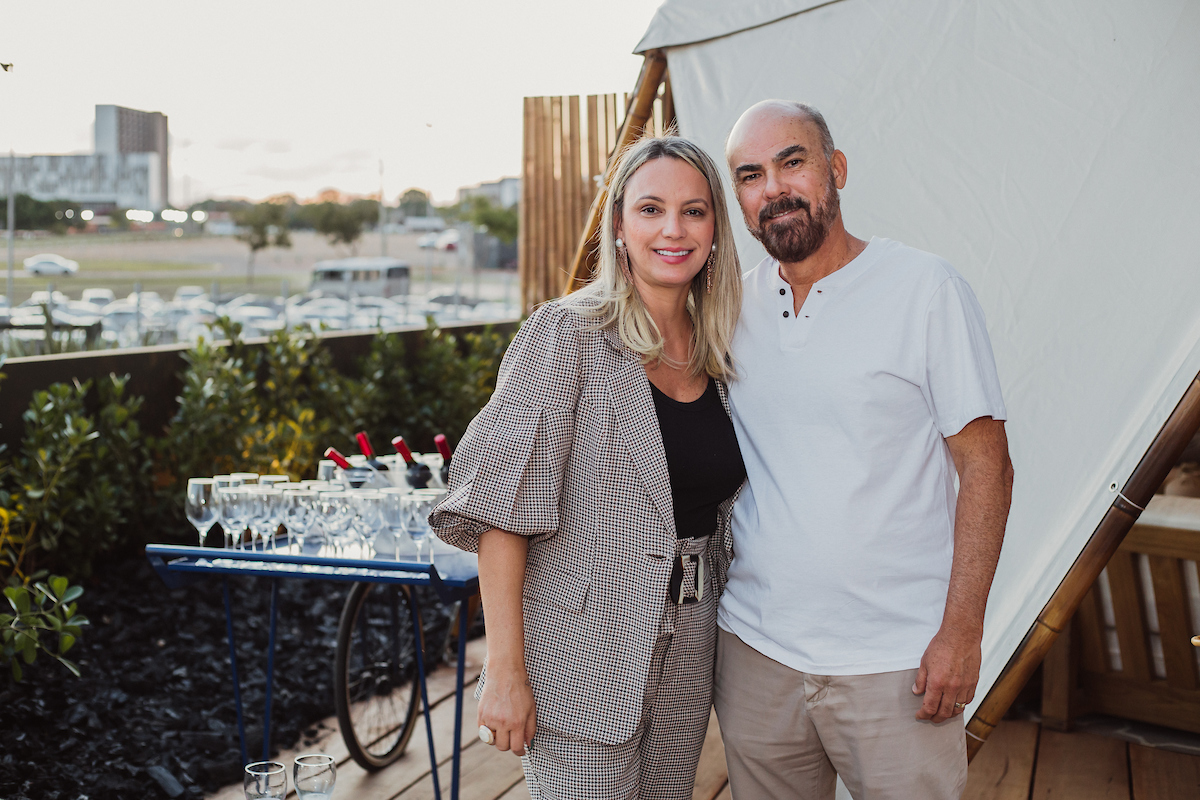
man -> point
(850, 627)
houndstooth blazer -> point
(568, 452)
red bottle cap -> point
(442, 447)
(337, 458)
(403, 450)
(364, 444)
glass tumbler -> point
(265, 780)
(314, 775)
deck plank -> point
(487, 773)
(413, 766)
(1080, 766)
(711, 772)
(1003, 769)
(440, 686)
(1162, 774)
(518, 792)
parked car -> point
(42, 297)
(185, 294)
(97, 297)
(448, 239)
(427, 241)
(50, 264)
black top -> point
(703, 458)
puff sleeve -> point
(507, 471)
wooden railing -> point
(1129, 651)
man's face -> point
(788, 191)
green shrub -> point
(439, 390)
(48, 609)
(270, 409)
(76, 488)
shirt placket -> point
(795, 329)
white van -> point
(366, 276)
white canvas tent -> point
(1049, 150)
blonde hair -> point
(611, 299)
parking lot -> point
(185, 283)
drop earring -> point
(623, 260)
(708, 266)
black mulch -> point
(153, 715)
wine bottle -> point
(418, 475)
(444, 448)
(356, 477)
(364, 444)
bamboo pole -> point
(1164, 451)
(668, 103)
(636, 113)
(528, 181)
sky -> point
(268, 96)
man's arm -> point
(950, 667)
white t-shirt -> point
(843, 538)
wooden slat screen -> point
(568, 144)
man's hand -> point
(949, 673)
(507, 708)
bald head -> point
(775, 112)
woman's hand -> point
(507, 708)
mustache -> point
(782, 206)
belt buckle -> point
(675, 587)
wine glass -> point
(369, 510)
(420, 504)
(235, 511)
(248, 478)
(314, 776)
(265, 513)
(273, 480)
(395, 518)
(200, 506)
(337, 517)
(296, 512)
(265, 780)
(223, 482)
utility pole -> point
(12, 217)
(382, 214)
(12, 214)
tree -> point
(415, 203)
(341, 224)
(43, 215)
(265, 226)
(503, 223)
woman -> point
(596, 486)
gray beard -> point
(790, 241)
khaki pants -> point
(789, 734)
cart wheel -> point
(375, 674)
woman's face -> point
(667, 223)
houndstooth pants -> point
(659, 762)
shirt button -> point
(783, 291)
(818, 291)
(785, 315)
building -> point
(128, 167)
(505, 192)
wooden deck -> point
(1021, 761)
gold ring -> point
(960, 705)
(487, 735)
